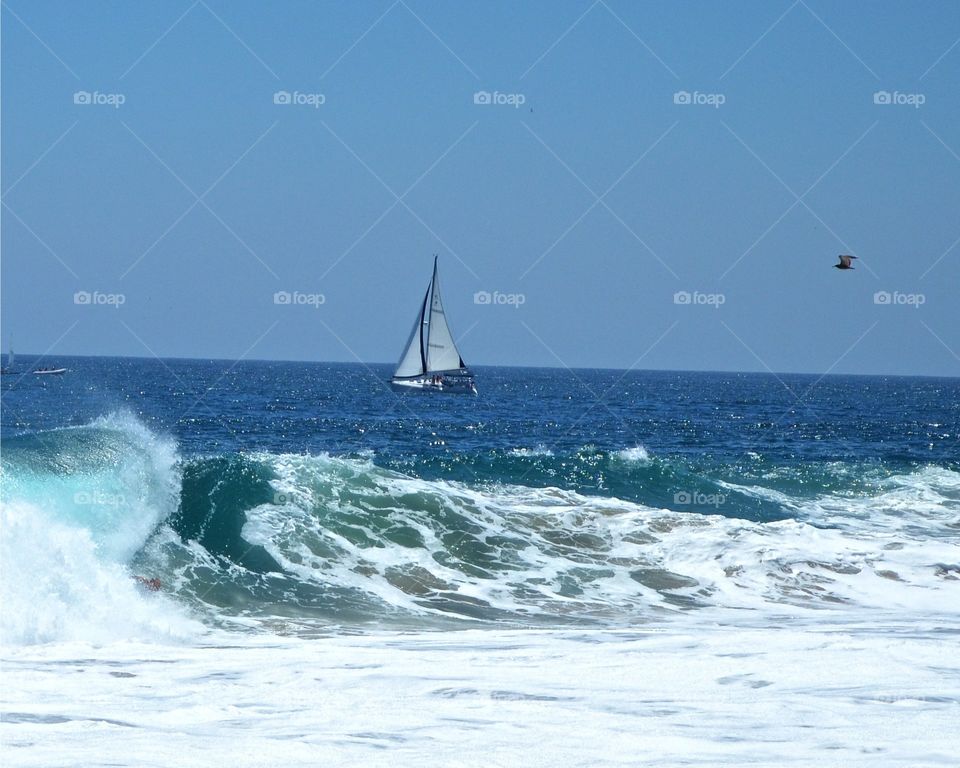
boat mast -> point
(432, 291)
(423, 319)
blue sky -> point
(613, 224)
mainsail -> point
(442, 353)
(430, 348)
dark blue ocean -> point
(314, 492)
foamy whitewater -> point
(350, 577)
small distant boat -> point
(8, 368)
(49, 371)
(431, 361)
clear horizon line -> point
(763, 372)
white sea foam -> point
(557, 553)
(690, 692)
(635, 455)
(537, 450)
(924, 503)
(57, 586)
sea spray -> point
(76, 505)
(113, 477)
(55, 585)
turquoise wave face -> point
(532, 538)
(113, 478)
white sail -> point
(442, 353)
(413, 361)
(431, 360)
(10, 358)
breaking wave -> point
(267, 537)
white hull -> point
(462, 385)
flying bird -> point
(844, 261)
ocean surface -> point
(571, 568)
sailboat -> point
(431, 361)
(10, 361)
